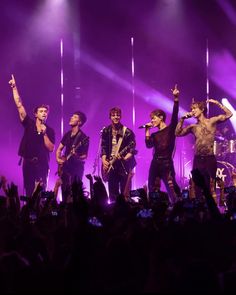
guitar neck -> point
(73, 149)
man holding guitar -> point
(117, 153)
(72, 153)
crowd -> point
(138, 244)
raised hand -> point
(213, 101)
(12, 82)
(175, 91)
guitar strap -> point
(120, 141)
(61, 166)
(75, 141)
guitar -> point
(105, 172)
(71, 153)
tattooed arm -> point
(222, 117)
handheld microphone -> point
(145, 126)
(43, 121)
(187, 116)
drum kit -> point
(223, 148)
(225, 152)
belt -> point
(32, 160)
(162, 158)
(204, 156)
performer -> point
(163, 143)
(204, 132)
(225, 143)
(117, 153)
(37, 142)
(72, 153)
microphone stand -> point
(96, 165)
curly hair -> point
(82, 117)
(201, 105)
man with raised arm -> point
(204, 132)
(36, 144)
(163, 143)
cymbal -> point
(218, 137)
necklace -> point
(114, 132)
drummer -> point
(226, 138)
(225, 132)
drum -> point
(224, 172)
(231, 146)
(219, 148)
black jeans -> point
(72, 170)
(117, 180)
(34, 170)
(207, 165)
(163, 169)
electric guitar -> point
(71, 153)
(105, 172)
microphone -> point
(187, 116)
(102, 129)
(42, 122)
(145, 126)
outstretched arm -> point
(175, 93)
(227, 113)
(174, 117)
(17, 99)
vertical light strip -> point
(132, 72)
(207, 75)
(62, 89)
(133, 97)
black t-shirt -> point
(79, 140)
(32, 143)
(163, 141)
